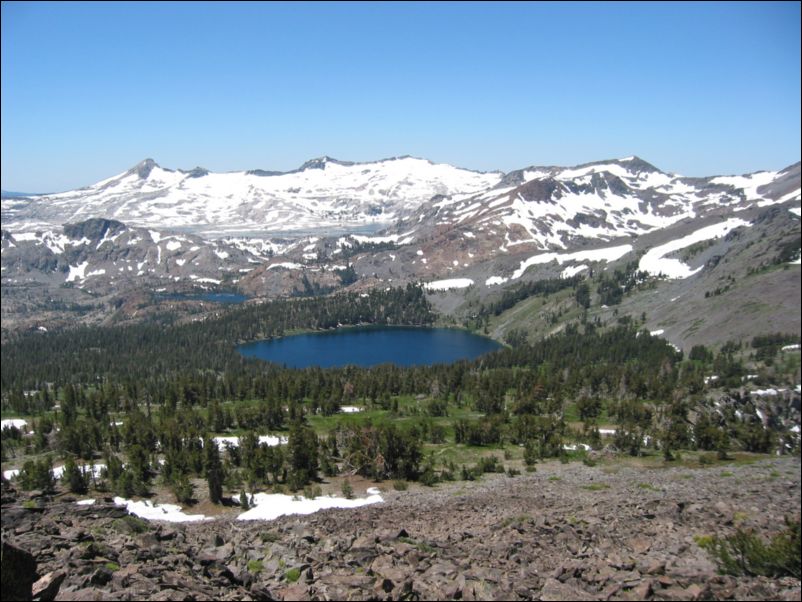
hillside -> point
(566, 532)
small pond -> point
(224, 298)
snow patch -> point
(576, 446)
(770, 392)
(268, 506)
(573, 270)
(77, 272)
(443, 285)
(494, 280)
(269, 440)
(166, 512)
(207, 280)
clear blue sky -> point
(88, 90)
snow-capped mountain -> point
(555, 208)
(322, 194)
(151, 229)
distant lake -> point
(371, 346)
(224, 298)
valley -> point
(647, 334)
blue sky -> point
(88, 90)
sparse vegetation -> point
(256, 566)
(746, 553)
(596, 487)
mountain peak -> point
(143, 168)
(321, 162)
(197, 172)
(637, 165)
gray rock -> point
(18, 573)
(46, 588)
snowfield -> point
(323, 193)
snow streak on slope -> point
(655, 261)
(608, 254)
(444, 285)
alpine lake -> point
(367, 346)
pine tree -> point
(302, 444)
(214, 470)
(75, 478)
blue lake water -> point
(371, 346)
(225, 298)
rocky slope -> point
(567, 532)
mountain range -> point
(334, 224)
(323, 194)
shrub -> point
(313, 491)
(348, 490)
(489, 464)
(182, 489)
(293, 575)
(429, 477)
(131, 524)
(745, 553)
(705, 459)
(37, 474)
(400, 485)
(269, 536)
(76, 479)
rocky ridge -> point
(566, 532)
